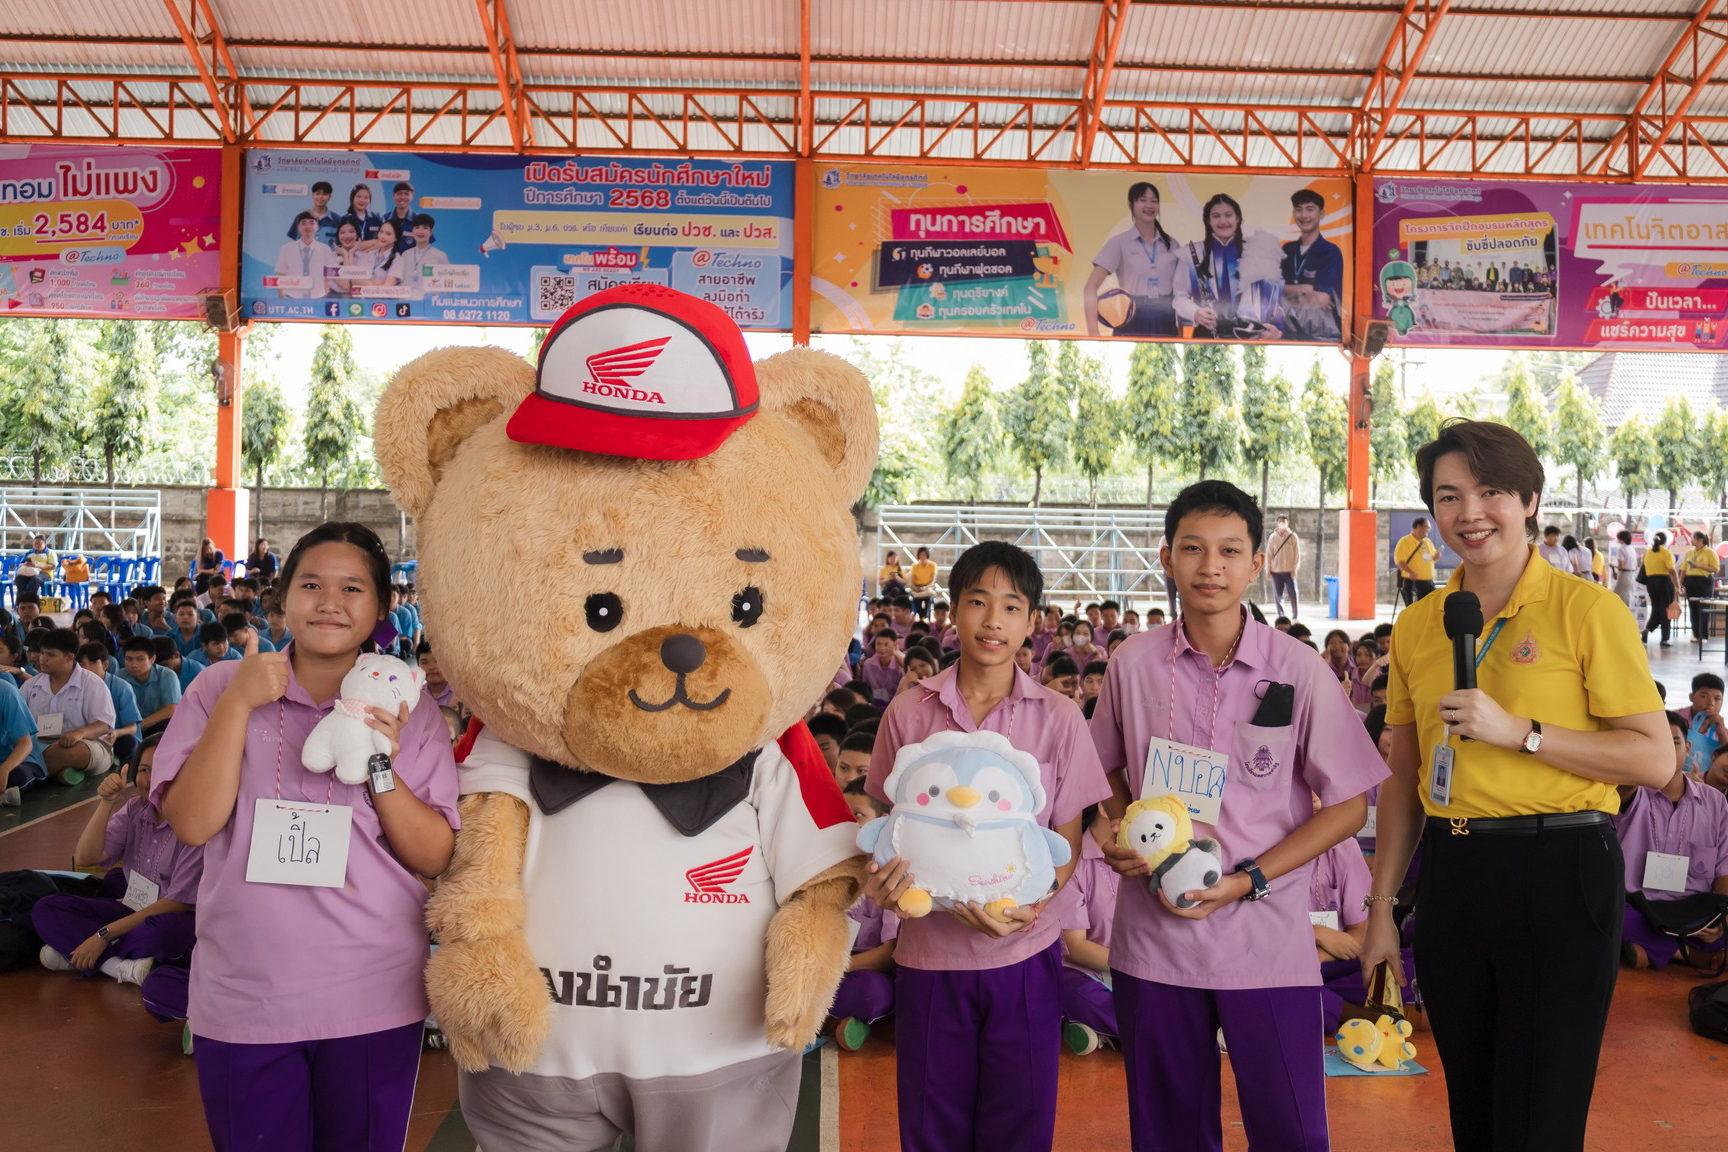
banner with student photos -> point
(510, 239)
(998, 251)
(108, 231)
(1541, 265)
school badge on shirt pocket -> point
(1525, 651)
(1264, 754)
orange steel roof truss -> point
(1514, 127)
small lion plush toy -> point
(965, 820)
(343, 740)
(1160, 830)
(645, 919)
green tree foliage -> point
(121, 401)
(1578, 438)
(909, 406)
(333, 418)
(1327, 421)
(1713, 455)
(1210, 422)
(971, 434)
(1633, 448)
(1526, 408)
(48, 367)
(1388, 441)
(265, 419)
(1097, 431)
(1038, 419)
(1152, 406)
(1421, 425)
(1270, 430)
(1676, 447)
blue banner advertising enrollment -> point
(457, 239)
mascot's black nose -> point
(682, 653)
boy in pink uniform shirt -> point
(1246, 966)
(1684, 819)
(978, 1019)
(308, 1003)
(1088, 1011)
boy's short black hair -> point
(939, 606)
(1061, 664)
(868, 728)
(1300, 631)
(1307, 196)
(59, 640)
(888, 632)
(235, 622)
(1215, 496)
(950, 657)
(148, 592)
(163, 648)
(1109, 606)
(141, 644)
(841, 698)
(855, 787)
(1375, 722)
(324, 187)
(902, 602)
(1382, 630)
(424, 648)
(1117, 635)
(1015, 564)
(92, 652)
(180, 598)
(1027, 643)
(860, 689)
(303, 216)
(1706, 680)
(1675, 720)
(1379, 682)
(861, 713)
(826, 724)
(29, 598)
(882, 618)
(424, 218)
(1098, 667)
(857, 741)
(211, 631)
(1662, 691)
(918, 628)
(1551, 530)
(1284, 620)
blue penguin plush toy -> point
(965, 819)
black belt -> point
(1518, 825)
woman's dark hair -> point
(1375, 722)
(922, 552)
(355, 191)
(97, 633)
(114, 617)
(207, 550)
(345, 532)
(137, 756)
(1015, 564)
(1211, 244)
(1569, 542)
(1216, 496)
(1660, 540)
(395, 238)
(1494, 453)
(1138, 189)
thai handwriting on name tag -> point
(141, 892)
(299, 844)
(1193, 775)
(1665, 871)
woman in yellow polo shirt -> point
(1662, 584)
(1698, 570)
(923, 584)
(1518, 841)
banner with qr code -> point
(457, 239)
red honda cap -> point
(640, 371)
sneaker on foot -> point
(1632, 956)
(851, 1033)
(11, 797)
(1081, 1040)
(53, 961)
(186, 1040)
(1221, 1046)
(134, 971)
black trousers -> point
(1661, 595)
(1518, 946)
(1414, 590)
(1698, 588)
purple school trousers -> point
(1170, 1054)
(350, 1094)
(64, 922)
(976, 1056)
(1660, 947)
(1088, 1001)
(865, 995)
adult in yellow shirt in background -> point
(1518, 840)
(923, 584)
(1698, 570)
(1415, 556)
(1662, 582)
(891, 580)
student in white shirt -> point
(415, 260)
(73, 709)
(304, 258)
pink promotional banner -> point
(108, 231)
(1537, 265)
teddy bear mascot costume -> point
(645, 919)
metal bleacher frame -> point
(118, 531)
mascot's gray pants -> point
(742, 1108)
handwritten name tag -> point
(302, 844)
(1193, 775)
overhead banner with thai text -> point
(108, 231)
(459, 239)
(997, 251)
(1505, 264)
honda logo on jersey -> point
(708, 881)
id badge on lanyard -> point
(1440, 777)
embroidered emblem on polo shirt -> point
(1525, 651)
(1262, 764)
(708, 882)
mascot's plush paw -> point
(808, 943)
(914, 902)
(999, 909)
(491, 1001)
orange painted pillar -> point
(803, 224)
(1358, 530)
(226, 504)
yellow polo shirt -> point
(1569, 656)
(1598, 564)
(1418, 556)
(924, 573)
(1659, 562)
(1701, 562)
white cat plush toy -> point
(343, 740)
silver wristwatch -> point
(1532, 739)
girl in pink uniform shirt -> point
(307, 1001)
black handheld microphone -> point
(1462, 614)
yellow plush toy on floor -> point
(1383, 1042)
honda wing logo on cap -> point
(708, 881)
(610, 373)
